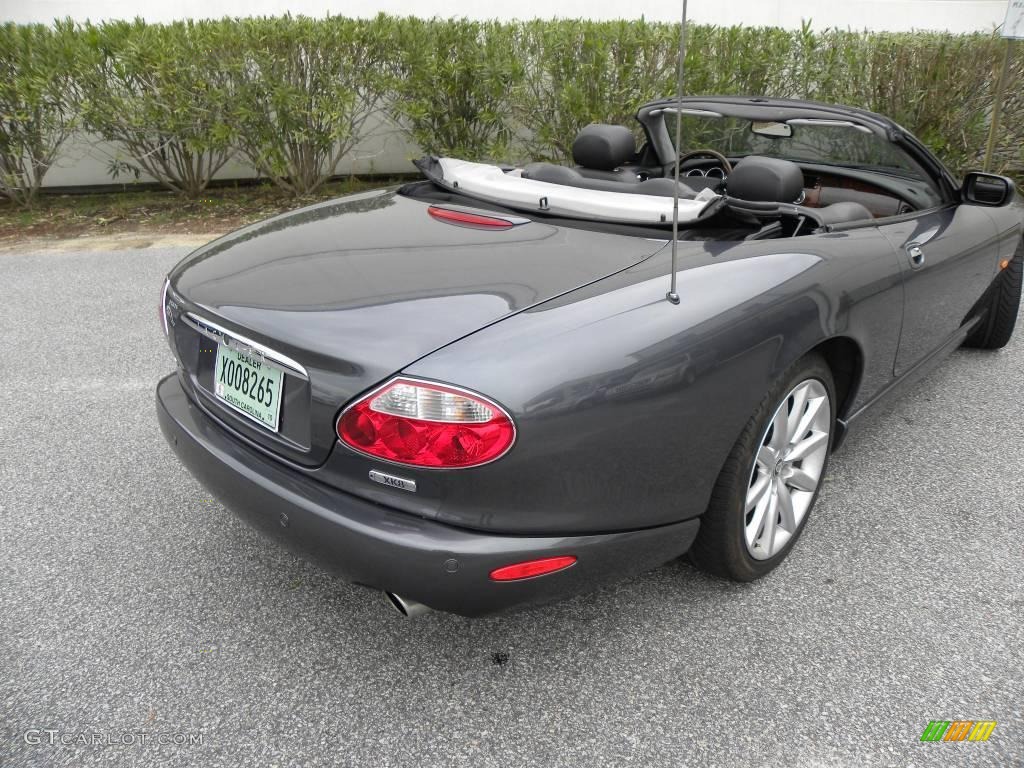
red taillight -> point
(427, 425)
(465, 219)
(532, 568)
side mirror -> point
(986, 189)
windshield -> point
(822, 143)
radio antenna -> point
(672, 294)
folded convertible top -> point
(509, 189)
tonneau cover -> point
(507, 188)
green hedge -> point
(292, 96)
(37, 97)
(305, 93)
(160, 94)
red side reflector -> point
(472, 220)
(532, 568)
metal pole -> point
(672, 295)
(997, 105)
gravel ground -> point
(134, 607)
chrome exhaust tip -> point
(406, 607)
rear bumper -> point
(441, 566)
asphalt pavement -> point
(142, 624)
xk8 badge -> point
(391, 480)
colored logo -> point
(958, 730)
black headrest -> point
(603, 147)
(766, 179)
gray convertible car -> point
(475, 392)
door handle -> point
(916, 256)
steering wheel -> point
(726, 165)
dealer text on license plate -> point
(250, 385)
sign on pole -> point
(1013, 30)
(1013, 27)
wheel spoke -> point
(766, 457)
(780, 436)
(802, 427)
(796, 416)
(807, 446)
(767, 538)
(787, 517)
(753, 529)
(757, 491)
(801, 480)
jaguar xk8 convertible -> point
(476, 392)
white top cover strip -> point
(490, 182)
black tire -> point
(720, 548)
(1002, 303)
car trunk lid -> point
(356, 289)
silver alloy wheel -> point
(787, 470)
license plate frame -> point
(241, 397)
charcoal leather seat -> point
(570, 177)
(842, 213)
(765, 183)
(600, 151)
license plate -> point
(249, 385)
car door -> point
(948, 257)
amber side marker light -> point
(531, 568)
(1004, 263)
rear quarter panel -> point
(626, 405)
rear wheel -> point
(1002, 302)
(765, 491)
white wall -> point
(389, 153)
(84, 160)
(894, 15)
